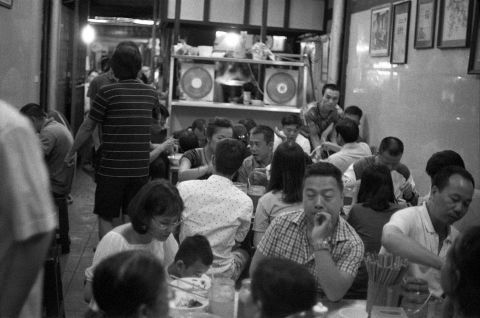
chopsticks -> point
(186, 290)
(188, 283)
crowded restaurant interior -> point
(240, 158)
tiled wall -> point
(431, 103)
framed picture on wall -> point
(380, 31)
(6, 3)
(425, 24)
(401, 21)
(474, 61)
(454, 23)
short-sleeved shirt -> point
(56, 142)
(322, 122)
(26, 207)
(197, 159)
(300, 140)
(286, 238)
(221, 212)
(124, 110)
(249, 164)
(269, 206)
(114, 242)
(350, 153)
(415, 223)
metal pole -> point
(263, 30)
(336, 41)
(154, 40)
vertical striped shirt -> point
(124, 110)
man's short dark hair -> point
(229, 155)
(265, 130)
(348, 129)
(324, 169)
(442, 178)
(443, 159)
(160, 110)
(126, 60)
(292, 119)
(216, 124)
(33, 110)
(354, 110)
(199, 124)
(392, 145)
(330, 86)
(194, 248)
(283, 287)
(187, 140)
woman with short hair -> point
(155, 212)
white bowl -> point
(178, 309)
(190, 289)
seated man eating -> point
(316, 236)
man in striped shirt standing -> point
(124, 111)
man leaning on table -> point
(316, 236)
(423, 234)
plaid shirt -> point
(286, 238)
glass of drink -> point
(222, 297)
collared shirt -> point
(248, 165)
(286, 238)
(322, 122)
(349, 153)
(218, 210)
(353, 175)
(300, 140)
(415, 223)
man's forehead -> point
(330, 92)
(457, 183)
(258, 137)
(318, 182)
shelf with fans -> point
(198, 85)
(269, 108)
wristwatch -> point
(320, 246)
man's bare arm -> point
(396, 242)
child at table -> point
(193, 259)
